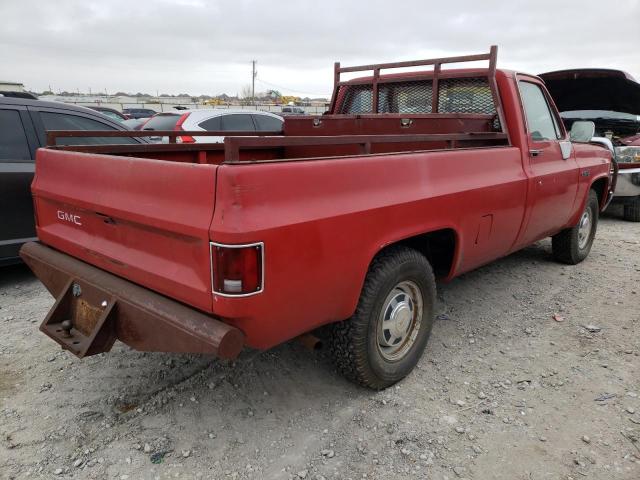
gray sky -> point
(206, 47)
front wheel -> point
(572, 245)
(385, 338)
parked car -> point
(291, 110)
(134, 123)
(110, 112)
(611, 99)
(22, 130)
(344, 221)
(11, 94)
(214, 120)
(138, 112)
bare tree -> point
(245, 95)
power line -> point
(281, 87)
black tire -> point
(632, 210)
(354, 343)
(567, 246)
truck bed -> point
(151, 221)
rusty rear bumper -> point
(94, 308)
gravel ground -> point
(504, 390)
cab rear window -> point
(455, 95)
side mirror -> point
(582, 131)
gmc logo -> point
(69, 217)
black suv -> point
(23, 123)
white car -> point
(212, 120)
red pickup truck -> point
(345, 220)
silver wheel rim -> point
(399, 320)
(584, 229)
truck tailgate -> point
(144, 220)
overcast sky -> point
(206, 47)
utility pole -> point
(253, 82)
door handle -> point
(536, 152)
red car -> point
(345, 221)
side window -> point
(267, 123)
(238, 123)
(212, 124)
(13, 139)
(539, 118)
(65, 121)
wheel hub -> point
(399, 320)
(584, 229)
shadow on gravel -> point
(14, 274)
(288, 372)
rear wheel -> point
(572, 245)
(385, 338)
(632, 210)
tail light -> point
(237, 270)
(183, 138)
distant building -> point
(11, 87)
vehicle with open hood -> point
(611, 99)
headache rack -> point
(435, 76)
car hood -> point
(593, 89)
(631, 141)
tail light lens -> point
(178, 127)
(237, 269)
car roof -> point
(100, 108)
(23, 102)
(45, 103)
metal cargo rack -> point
(436, 75)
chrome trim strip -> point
(244, 245)
(629, 171)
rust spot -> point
(85, 316)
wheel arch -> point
(439, 246)
(600, 186)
